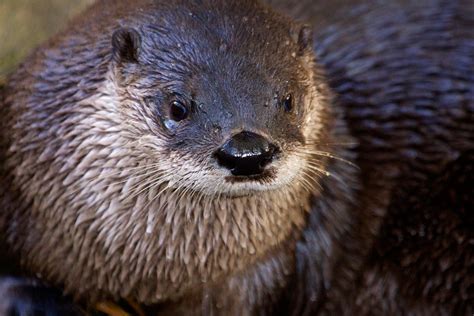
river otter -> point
(199, 157)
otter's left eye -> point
(288, 102)
(178, 111)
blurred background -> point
(26, 23)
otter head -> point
(231, 104)
(192, 158)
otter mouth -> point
(265, 177)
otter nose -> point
(246, 154)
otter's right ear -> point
(126, 45)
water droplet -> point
(170, 124)
(217, 129)
(223, 47)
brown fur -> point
(99, 201)
(85, 193)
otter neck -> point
(187, 240)
(160, 244)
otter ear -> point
(305, 39)
(126, 45)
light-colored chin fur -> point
(104, 237)
(214, 181)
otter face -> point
(182, 160)
(228, 110)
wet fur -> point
(124, 209)
(390, 236)
(402, 73)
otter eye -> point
(178, 111)
(288, 102)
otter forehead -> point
(240, 26)
(219, 37)
(226, 63)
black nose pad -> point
(246, 154)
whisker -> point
(317, 167)
(329, 155)
(108, 175)
(159, 194)
(141, 187)
(313, 182)
(122, 169)
(134, 185)
(331, 143)
(306, 185)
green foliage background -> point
(26, 23)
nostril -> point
(267, 156)
(224, 159)
(265, 162)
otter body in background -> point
(196, 157)
(403, 73)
